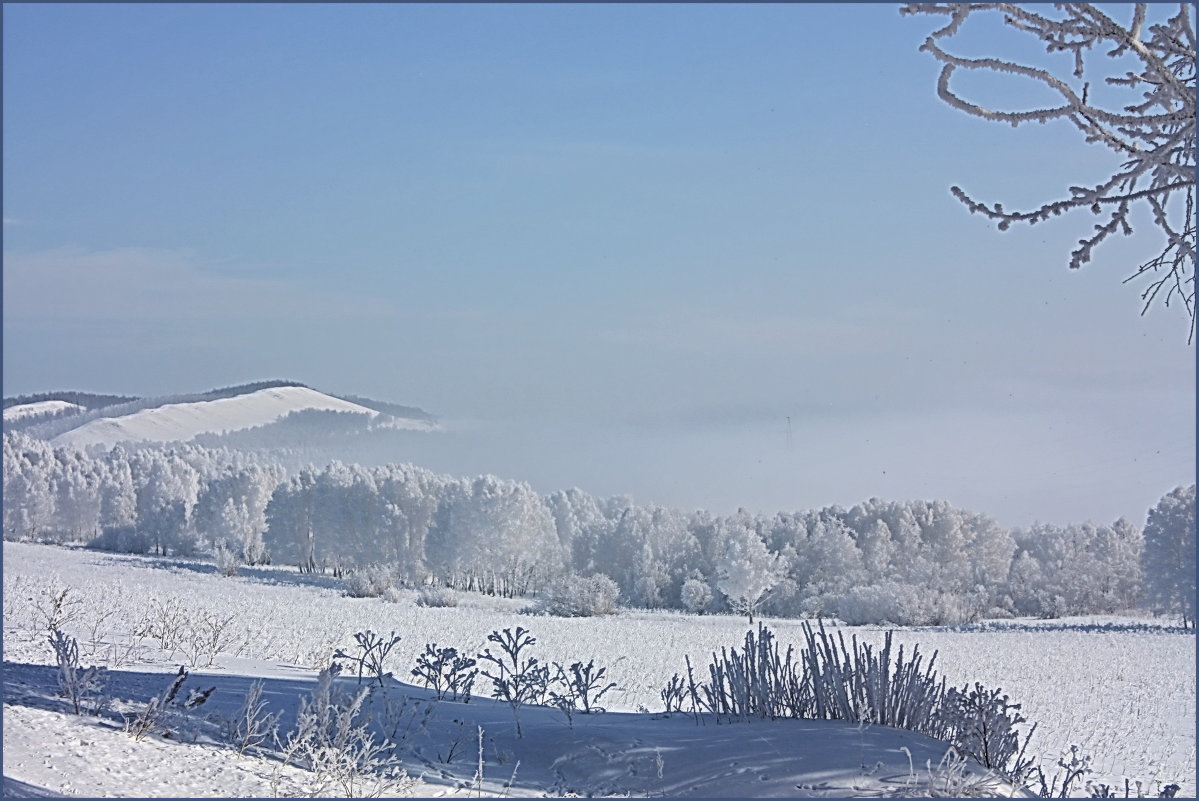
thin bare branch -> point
(1153, 131)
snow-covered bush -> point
(517, 680)
(828, 679)
(206, 635)
(373, 650)
(446, 671)
(579, 688)
(436, 597)
(331, 739)
(982, 724)
(579, 596)
(856, 683)
(166, 713)
(227, 560)
(166, 622)
(756, 682)
(84, 689)
(673, 693)
(251, 725)
(696, 594)
(56, 607)
(369, 582)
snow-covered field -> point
(1121, 689)
(181, 422)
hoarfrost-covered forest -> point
(909, 562)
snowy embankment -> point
(24, 410)
(1125, 693)
(180, 422)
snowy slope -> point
(48, 751)
(180, 422)
(1128, 699)
(41, 407)
(612, 754)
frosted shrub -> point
(982, 724)
(205, 636)
(166, 712)
(446, 671)
(251, 725)
(672, 694)
(56, 608)
(579, 687)
(82, 688)
(166, 622)
(517, 679)
(227, 560)
(369, 582)
(436, 597)
(373, 650)
(830, 679)
(331, 739)
(857, 683)
(696, 595)
(579, 596)
(755, 683)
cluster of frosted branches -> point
(1154, 135)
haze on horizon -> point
(693, 254)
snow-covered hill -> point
(38, 409)
(180, 422)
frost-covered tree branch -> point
(1153, 133)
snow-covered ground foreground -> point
(1121, 689)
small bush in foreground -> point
(446, 671)
(84, 689)
(251, 725)
(165, 713)
(332, 741)
(830, 679)
(373, 650)
(517, 680)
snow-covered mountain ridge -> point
(38, 409)
(183, 418)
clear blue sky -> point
(613, 247)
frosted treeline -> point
(907, 563)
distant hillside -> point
(39, 410)
(87, 400)
(23, 412)
(291, 409)
(393, 409)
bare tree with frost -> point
(1151, 127)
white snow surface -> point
(41, 407)
(180, 422)
(1123, 691)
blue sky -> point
(614, 247)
